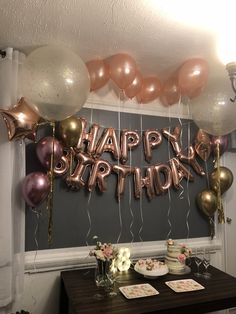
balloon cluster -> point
(220, 179)
(189, 80)
(80, 150)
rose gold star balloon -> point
(21, 121)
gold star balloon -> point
(21, 121)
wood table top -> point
(80, 288)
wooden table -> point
(78, 289)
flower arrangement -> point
(185, 251)
(104, 251)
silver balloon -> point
(55, 81)
(213, 111)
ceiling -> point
(158, 41)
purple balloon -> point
(44, 151)
(35, 188)
(223, 144)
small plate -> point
(184, 285)
(151, 274)
(138, 291)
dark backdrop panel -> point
(80, 215)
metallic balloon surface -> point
(134, 88)
(44, 150)
(35, 188)
(225, 178)
(222, 141)
(213, 111)
(55, 81)
(122, 69)
(98, 72)
(21, 121)
(207, 202)
(203, 145)
(150, 90)
(69, 131)
(170, 92)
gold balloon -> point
(226, 179)
(207, 202)
(69, 131)
(21, 121)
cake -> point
(151, 267)
(176, 256)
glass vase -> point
(103, 275)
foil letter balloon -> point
(179, 171)
(128, 140)
(140, 182)
(88, 138)
(108, 143)
(151, 139)
(75, 180)
(203, 145)
(55, 82)
(161, 186)
(123, 172)
(100, 170)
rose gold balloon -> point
(75, 180)
(179, 172)
(203, 145)
(170, 92)
(123, 172)
(108, 143)
(161, 186)
(100, 170)
(122, 69)
(193, 76)
(140, 182)
(21, 121)
(190, 158)
(135, 87)
(151, 89)
(87, 138)
(151, 139)
(128, 139)
(98, 72)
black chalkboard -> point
(80, 215)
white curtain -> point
(12, 170)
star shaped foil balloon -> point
(21, 121)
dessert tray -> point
(184, 285)
(151, 269)
(138, 291)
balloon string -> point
(180, 121)
(38, 215)
(89, 218)
(140, 131)
(221, 218)
(169, 194)
(207, 175)
(130, 200)
(50, 196)
(188, 196)
(212, 227)
(141, 194)
(118, 162)
(181, 193)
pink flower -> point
(108, 251)
(182, 258)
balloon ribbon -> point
(221, 216)
(50, 195)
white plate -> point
(151, 274)
(184, 285)
(138, 291)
